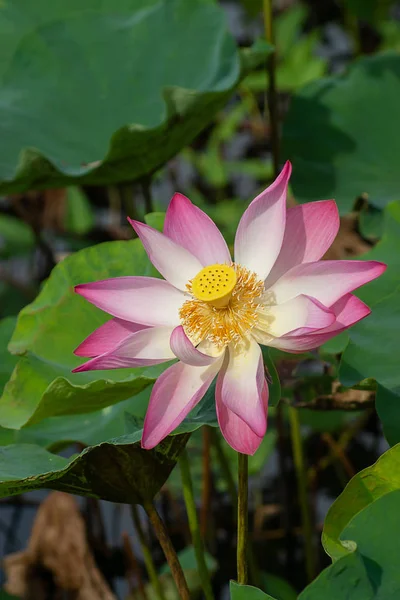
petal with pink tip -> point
(242, 384)
(106, 337)
(326, 280)
(309, 231)
(150, 346)
(192, 229)
(302, 312)
(174, 394)
(260, 232)
(174, 262)
(235, 431)
(145, 300)
(348, 310)
(183, 349)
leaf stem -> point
(301, 476)
(242, 524)
(194, 526)
(168, 549)
(272, 91)
(207, 483)
(147, 556)
(146, 189)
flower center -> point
(223, 307)
(214, 285)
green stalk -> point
(147, 556)
(272, 91)
(301, 476)
(194, 526)
(168, 549)
(242, 524)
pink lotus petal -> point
(106, 337)
(192, 229)
(326, 280)
(145, 300)
(348, 310)
(149, 346)
(242, 383)
(309, 232)
(260, 232)
(300, 313)
(174, 394)
(183, 349)
(174, 262)
(235, 431)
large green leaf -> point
(365, 488)
(108, 90)
(118, 470)
(49, 329)
(339, 151)
(370, 571)
(374, 349)
(7, 360)
(247, 592)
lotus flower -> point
(212, 313)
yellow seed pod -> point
(214, 284)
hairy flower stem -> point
(272, 91)
(194, 526)
(147, 556)
(301, 476)
(168, 549)
(242, 524)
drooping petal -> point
(174, 394)
(183, 349)
(145, 300)
(326, 280)
(242, 384)
(301, 313)
(106, 337)
(348, 310)
(309, 232)
(235, 431)
(149, 346)
(174, 262)
(192, 229)
(260, 232)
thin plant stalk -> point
(206, 483)
(242, 522)
(301, 476)
(225, 470)
(147, 556)
(272, 91)
(194, 526)
(226, 473)
(168, 549)
(133, 568)
(148, 200)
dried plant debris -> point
(58, 563)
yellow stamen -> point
(214, 285)
(220, 325)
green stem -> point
(301, 476)
(272, 91)
(242, 524)
(146, 189)
(147, 556)
(168, 549)
(194, 526)
(225, 470)
(226, 473)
